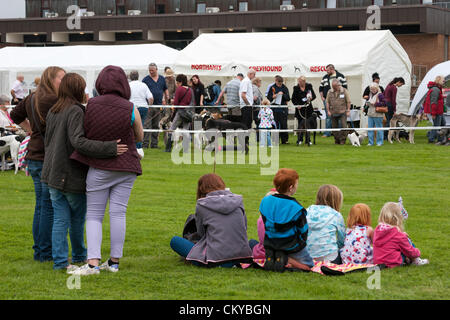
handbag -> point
(381, 109)
(187, 115)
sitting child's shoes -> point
(280, 261)
(420, 262)
(270, 260)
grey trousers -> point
(101, 186)
(152, 122)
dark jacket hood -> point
(221, 201)
(113, 80)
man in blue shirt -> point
(157, 85)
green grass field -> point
(165, 194)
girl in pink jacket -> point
(391, 245)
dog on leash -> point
(12, 144)
(311, 123)
(216, 121)
(408, 121)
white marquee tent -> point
(356, 54)
(88, 61)
(441, 69)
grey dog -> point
(408, 121)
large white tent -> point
(356, 54)
(88, 61)
(441, 69)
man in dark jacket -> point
(279, 95)
(325, 86)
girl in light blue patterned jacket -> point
(326, 225)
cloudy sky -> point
(12, 9)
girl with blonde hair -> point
(391, 245)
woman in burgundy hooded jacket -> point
(110, 116)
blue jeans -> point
(438, 121)
(327, 121)
(183, 247)
(375, 122)
(143, 111)
(43, 214)
(303, 257)
(403, 256)
(265, 137)
(70, 214)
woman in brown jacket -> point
(30, 114)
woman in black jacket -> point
(302, 97)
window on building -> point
(45, 7)
(417, 75)
(201, 7)
(243, 6)
(379, 3)
(83, 4)
(331, 4)
(121, 7)
(160, 8)
(427, 1)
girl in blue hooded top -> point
(286, 227)
(326, 225)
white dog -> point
(354, 139)
(12, 144)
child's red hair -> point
(359, 215)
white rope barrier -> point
(297, 130)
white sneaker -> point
(71, 268)
(85, 270)
(420, 262)
(107, 267)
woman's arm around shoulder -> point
(91, 148)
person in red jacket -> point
(434, 106)
(391, 245)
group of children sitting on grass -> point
(290, 236)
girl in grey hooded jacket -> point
(222, 226)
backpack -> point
(190, 229)
(209, 95)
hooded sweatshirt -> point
(285, 223)
(326, 231)
(222, 226)
(434, 101)
(108, 118)
(389, 243)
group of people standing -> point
(243, 93)
(79, 161)
(291, 236)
